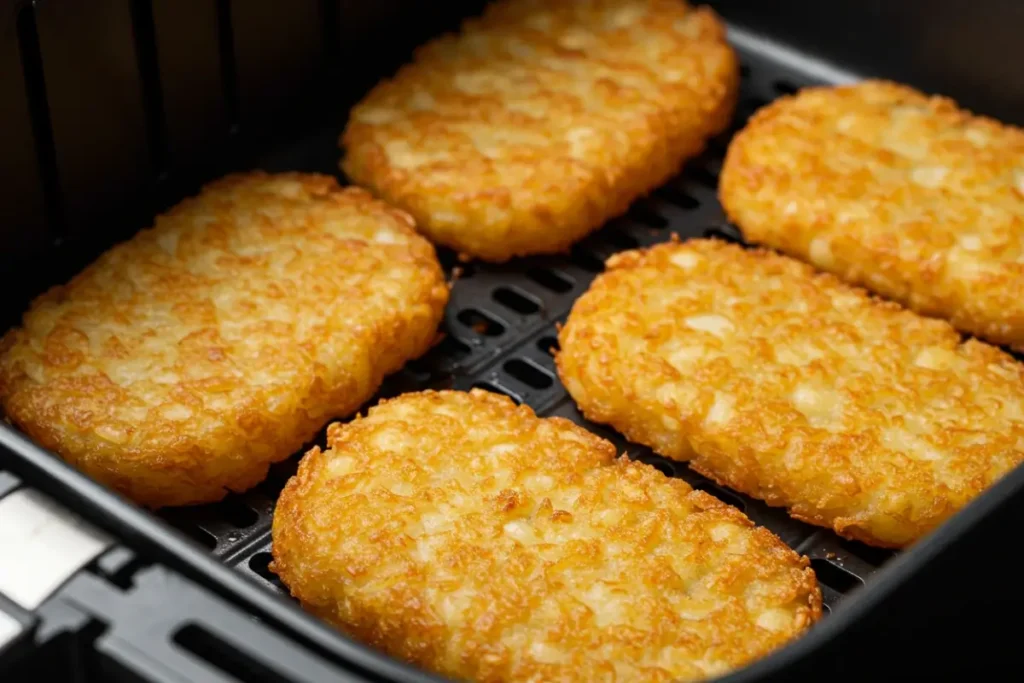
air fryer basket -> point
(119, 109)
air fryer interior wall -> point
(116, 110)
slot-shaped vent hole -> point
(676, 196)
(873, 556)
(199, 535)
(260, 566)
(586, 260)
(494, 389)
(621, 240)
(727, 497)
(835, 577)
(724, 232)
(124, 577)
(224, 656)
(785, 87)
(704, 176)
(548, 344)
(642, 213)
(452, 348)
(481, 323)
(516, 301)
(529, 374)
(555, 281)
(236, 513)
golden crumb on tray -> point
(905, 194)
(183, 362)
(542, 120)
(793, 387)
(472, 538)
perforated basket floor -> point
(499, 329)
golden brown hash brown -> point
(542, 120)
(904, 194)
(183, 362)
(795, 388)
(466, 535)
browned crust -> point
(792, 387)
(466, 535)
(905, 194)
(183, 362)
(541, 121)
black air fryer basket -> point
(113, 110)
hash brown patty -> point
(542, 120)
(905, 194)
(792, 387)
(183, 362)
(466, 535)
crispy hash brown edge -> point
(555, 219)
(597, 405)
(193, 469)
(988, 307)
(318, 583)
